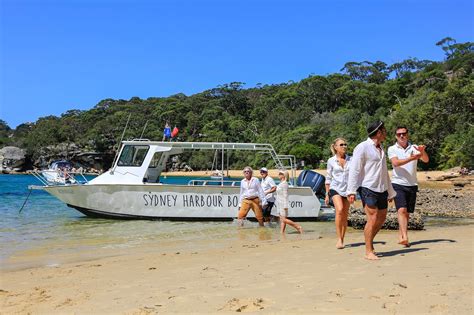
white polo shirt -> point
(369, 169)
(337, 176)
(406, 174)
(267, 184)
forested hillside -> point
(433, 98)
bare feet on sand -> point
(300, 229)
(371, 256)
(404, 243)
(340, 244)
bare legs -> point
(284, 221)
(342, 211)
(375, 220)
(403, 217)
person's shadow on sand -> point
(437, 240)
(362, 244)
(411, 250)
(400, 252)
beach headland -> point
(292, 275)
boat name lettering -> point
(189, 200)
(159, 200)
(296, 204)
(202, 201)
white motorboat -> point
(131, 189)
(59, 172)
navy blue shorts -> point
(267, 210)
(373, 199)
(406, 197)
(333, 193)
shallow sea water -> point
(47, 232)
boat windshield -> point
(133, 155)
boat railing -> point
(213, 182)
(73, 179)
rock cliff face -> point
(79, 157)
(12, 159)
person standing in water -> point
(269, 187)
(336, 186)
(251, 197)
(404, 157)
(282, 201)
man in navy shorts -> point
(404, 157)
(369, 176)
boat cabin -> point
(143, 161)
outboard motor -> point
(313, 180)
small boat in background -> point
(217, 174)
(59, 172)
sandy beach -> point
(292, 275)
(256, 270)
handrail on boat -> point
(39, 176)
(205, 182)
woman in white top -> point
(282, 201)
(336, 186)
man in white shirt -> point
(269, 187)
(404, 157)
(251, 197)
(368, 175)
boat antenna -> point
(118, 145)
(141, 136)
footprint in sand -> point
(66, 302)
(244, 305)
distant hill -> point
(434, 99)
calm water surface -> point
(47, 232)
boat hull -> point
(172, 202)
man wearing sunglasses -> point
(251, 197)
(404, 157)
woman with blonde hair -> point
(282, 201)
(336, 186)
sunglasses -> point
(343, 144)
(399, 134)
(247, 172)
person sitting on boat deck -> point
(269, 187)
(251, 197)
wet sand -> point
(292, 275)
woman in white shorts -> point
(282, 203)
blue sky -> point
(70, 54)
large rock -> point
(357, 220)
(12, 159)
(80, 157)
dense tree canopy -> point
(434, 99)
